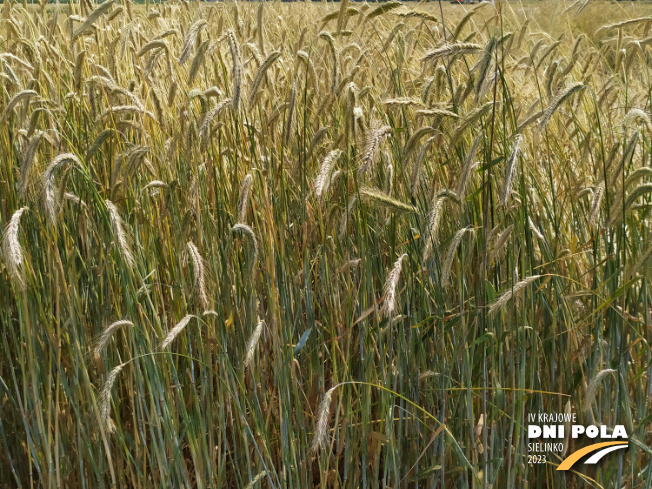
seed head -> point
(319, 439)
(174, 332)
(12, 251)
(389, 306)
(253, 342)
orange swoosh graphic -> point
(575, 456)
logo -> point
(552, 432)
(601, 450)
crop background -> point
(322, 245)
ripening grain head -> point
(108, 334)
(23, 95)
(176, 331)
(469, 165)
(253, 343)
(323, 415)
(260, 75)
(450, 255)
(500, 242)
(49, 195)
(511, 292)
(381, 199)
(434, 220)
(236, 72)
(559, 99)
(105, 399)
(92, 18)
(451, 49)
(372, 147)
(12, 251)
(344, 220)
(391, 297)
(200, 274)
(323, 179)
(28, 160)
(592, 388)
(190, 40)
(119, 234)
(241, 228)
(510, 171)
(243, 197)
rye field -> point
(333, 245)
